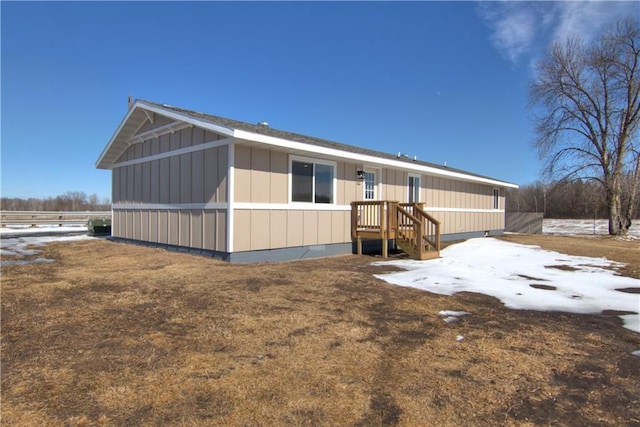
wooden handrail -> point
(415, 238)
(384, 220)
(435, 240)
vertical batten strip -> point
(230, 191)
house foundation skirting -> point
(296, 253)
(267, 255)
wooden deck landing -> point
(414, 231)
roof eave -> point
(365, 158)
(102, 163)
(239, 134)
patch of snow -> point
(54, 229)
(22, 246)
(636, 353)
(507, 271)
(585, 227)
(453, 313)
(459, 338)
(452, 316)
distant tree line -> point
(69, 201)
(565, 199)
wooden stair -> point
(415, 232)
(418, 232)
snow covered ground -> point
(20, 241)
(524, 277)
(584, 227)
(20, 230)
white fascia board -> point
(163, 112)
(186, 118)
(364, 158)
(115, 135)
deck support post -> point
(384, 222)
(359, 245)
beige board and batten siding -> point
(266, 220)
(462, 206)
(153, 199)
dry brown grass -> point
(114, 334)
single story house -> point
(247, 192)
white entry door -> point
(370, 184)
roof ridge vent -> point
(263, 124)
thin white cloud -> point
(522, 29)
(513, 27)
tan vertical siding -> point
(241, 230)
(174, 141)
(136, 225)
(184, 228)
(137, 183)
(221, 231)
(165, 143)
(115, 223)
(197, 177)
(260, 229)
(279, 186)
(115, 185)
(154, 146)
(349, 189)
(197, 136)
(185, 137)
(174, 179)
(185, 178)
(153, 226)
(242, 174)
(154, 181)
(278, 224)
(128, 232)
(260, 176)
(210, 175)
(164, 180)
(223, 160)
(339, 227)
(129, 184)
(196, 229)
(310, 230)
(394, 186)
(163, 227)
(209, 230)
(146, 148)
(146, 183)
(295, 228)
(324, 227)
(174, 228)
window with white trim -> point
(369, 185)
(414, 189)
(312, 181)
(496, 198)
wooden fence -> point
(523, 222)
(33, 218)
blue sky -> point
(445, 81)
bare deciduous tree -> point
(588, 102)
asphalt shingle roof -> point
(290, 136)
